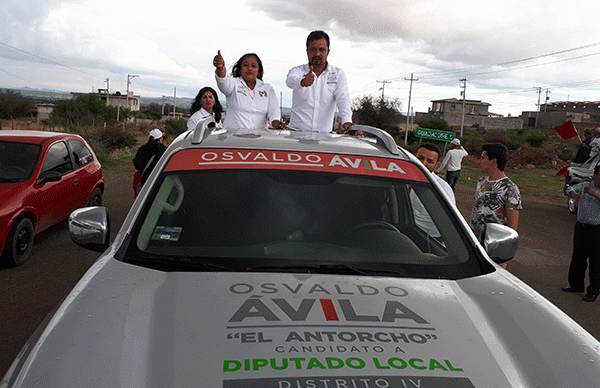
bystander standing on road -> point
(497, 199)
(453, 160)
(586, 238)
(318, 88)
(595, 143)
(146, 158)
(583, 152)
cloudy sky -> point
(506, 50)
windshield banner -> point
(195, 159)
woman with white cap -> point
(147, 156)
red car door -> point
(86, 170)
(55, 200)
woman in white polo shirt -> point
(251, 103)
(206, 104)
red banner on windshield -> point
(201, 159)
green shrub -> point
(86, 110)
(174, 127)
(149, 114)
(564, 153)
(439, 124)
(102, 153)
(115, 137)
(393, 130)
(535, 140)
(499, 137)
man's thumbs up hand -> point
(308, 79)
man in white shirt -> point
(429, 155)
(318, 88)
(453, 159)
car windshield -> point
(17, 161)
(300, 221)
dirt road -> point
(31, 291)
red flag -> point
(563, 171)
(567, 130)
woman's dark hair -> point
(153, 144)
(236, 71)
(217, 109)
(496, 151)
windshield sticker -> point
(303, 328)
(167, 233)
(194, 159)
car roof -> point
(25, 136)
(378, 144)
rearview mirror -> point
(48, 176)
(500, 242)
(90, 228)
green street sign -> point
(434, 134)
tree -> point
(440, 124)
(84, 111)
(12, 105)
(380, 112)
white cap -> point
(455, 142)
(156, 134)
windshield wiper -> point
(342, 269)
(308, 268)
(174, 263)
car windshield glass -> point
(17, 161)
(301, 221)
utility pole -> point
(129, 77)
(411, 79)
(163, 103)
(537, 113)
(383, 87)
(107, 92)
(464, 92)
(174, 100)
(547, 98)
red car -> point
(44, 176)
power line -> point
(441, 73)
(21, 78)
(383, 87)
(50, 60)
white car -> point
(285, 259)
(577, 173)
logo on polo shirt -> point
(262, 94)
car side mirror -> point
(500, 242)
(90, 228)
(49, 176)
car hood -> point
(134, 327)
